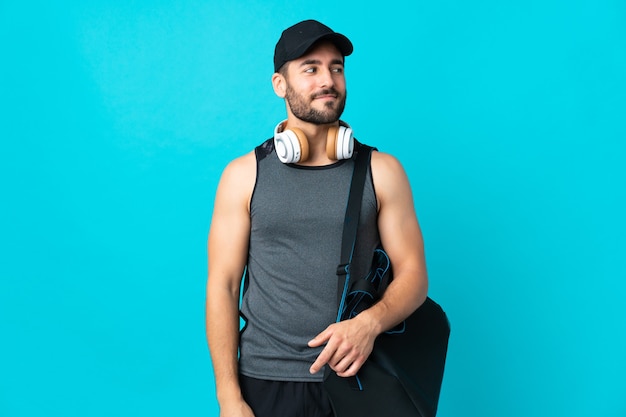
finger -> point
(343, 356)
(351, 370)
(322, 359)
(321, 338)
(317, 365)
(341, 365)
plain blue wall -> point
(116, 119)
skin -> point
(314, 84)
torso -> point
(297, 216)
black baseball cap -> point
(296, 40)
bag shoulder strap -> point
(351, 220)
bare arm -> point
(401, 237)
(349, 343)
(227, 253)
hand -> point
(236, 409)
(348, 345)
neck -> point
(316, 135)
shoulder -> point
(238, 178)
(245, 167)
(240, 168)
(389, 177)
(386, 167)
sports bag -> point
(403, 375)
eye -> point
(310, 70)
(337, 70)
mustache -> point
(328, 91)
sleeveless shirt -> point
(290, 296)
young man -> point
(278, 216)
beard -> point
(302, 109)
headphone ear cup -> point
(339, 143)
(331, 143)
(304, 144)
(291, 146)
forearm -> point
(222, 327)
(403, 296)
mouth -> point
(326, 98)
(325, 95)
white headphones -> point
(292, 145)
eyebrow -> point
(318, 62)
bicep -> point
(230, 227)
(398, 226)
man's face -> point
(316, 85)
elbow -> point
(421, 290)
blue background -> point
(117, 117)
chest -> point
(289, 200)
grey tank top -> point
(290, 295)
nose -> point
(326, 78)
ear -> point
(280, 85)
